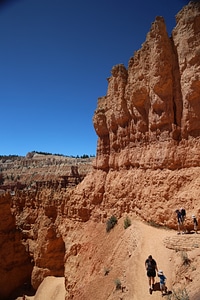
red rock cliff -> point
(150, 117)
(148, 128)
(15, 262)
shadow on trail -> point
(157, 288)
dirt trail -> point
(150, 241)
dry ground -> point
(149, 240)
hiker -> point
(195, 223)
(179, 220)
(183, 215)
(163, 287)
(151, 267)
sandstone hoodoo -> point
(147, 166)
(148, 124)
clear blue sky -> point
(55, 57)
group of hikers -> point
(150, 263)
(181, 215)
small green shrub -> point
(179, 295)
(118, 284)
(1, 178)
(185, 259)
(127, 222)
(153, 224)
(106, 271)
(111, 222)
(156, 225)
(194, 268)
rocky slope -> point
(24, 172)
(31, 196)
(147, 165)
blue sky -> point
(55, 58)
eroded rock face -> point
(48, 254)
(186, 38)
(148, 129)
(148, 124)
(15, 262)
(152, 109)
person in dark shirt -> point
(179, 220)
(151, 268)
(183, 216)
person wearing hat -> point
(162, 282)
(195, 223)
(151, 267)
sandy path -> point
(150, 241)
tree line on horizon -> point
(14, 156)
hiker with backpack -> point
(151, 268)
(183, 215)
(179, 220)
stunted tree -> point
(1, 178)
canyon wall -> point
(148, 127)
(15, 262)
(148, 124)
(150, 117)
